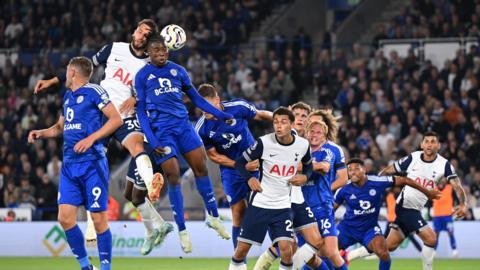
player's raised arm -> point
(402, 181)
(142, 116)
(263, 115)
(53, 131)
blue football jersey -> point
(338, 156)
(317, 191)
(162, 89)
(363, 203)
(83, 114)
(229, 139)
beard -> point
(136, 46)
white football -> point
(175, 37)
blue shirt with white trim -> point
(363, 203)
(82, 111)
(229, 139)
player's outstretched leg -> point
(154, 182)
(156, 229)
(197, 161)
(171, 171)
(67, 217)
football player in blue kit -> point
(160, 86)
(84, 175)
(225, 143)
(121, 61)
(318, 194)
(363, 198)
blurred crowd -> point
(383, 104)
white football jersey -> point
(121, 67)
(297, 194)
(278, 165)
(427, 174)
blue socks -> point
(205, 188)
(327, 263)
(235, 233)
(77, 245)
(322, 266)
(384, 265)
(176, 203)
(453, 242)
(104, 244)
(343, 267)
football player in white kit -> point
(122, 61)
(427, 168)
(269, 202)
(303, 219)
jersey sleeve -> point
(307, 157)
(247, 109)
(449, 171)
(140, 88)
(102, 55)
(339, 159)
(255, 151)
(185, 79)
(383, 181)
(402, 164)
(200, 129)
(338, 197)
(100, 97)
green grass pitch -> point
(39, 263)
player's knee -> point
(66, 221)
(127, 194)
(173, 178)
(137, 200)
(100, 221)
(383, 254)
(200, 170)
(430, 241)
(285, 251)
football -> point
(175, 37)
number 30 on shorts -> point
(132, 124)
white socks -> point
(145, 211)
(265, 260)
(156, 218)
(427, 257)
(237, 265)
(144, 167)
(303, 255)
(357, 253)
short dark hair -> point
(207, 90)
(150, 23)
(284, 111)
(303, 106)
(83, 65)
(431, 134)
(355, 161)
(156, 37)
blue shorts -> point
(408, 220)
(85, 183)
(130, 126)
(349, 235)
(178, 135)
(326, 221)
(258, 220)
(302, 216)
(443, 223)
(234, 186)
